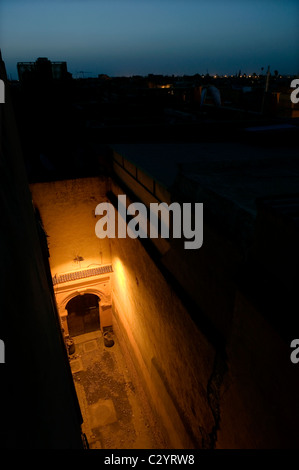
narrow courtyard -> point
(115, 410)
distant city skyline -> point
(169, 37)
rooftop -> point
(228, 177)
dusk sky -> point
(138, 37)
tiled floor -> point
(113, 404)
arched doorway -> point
(83, 314)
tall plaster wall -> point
(67, 210)
(173, 358)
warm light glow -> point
(119, 271)
(124, 290)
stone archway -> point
(83, 314)
(99, 286)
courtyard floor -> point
(115, 410)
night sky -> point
(138, 37)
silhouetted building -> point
(42, 69)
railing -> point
(81, 274)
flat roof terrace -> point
(228, 177)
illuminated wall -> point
(172, 357)
(67, 212)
